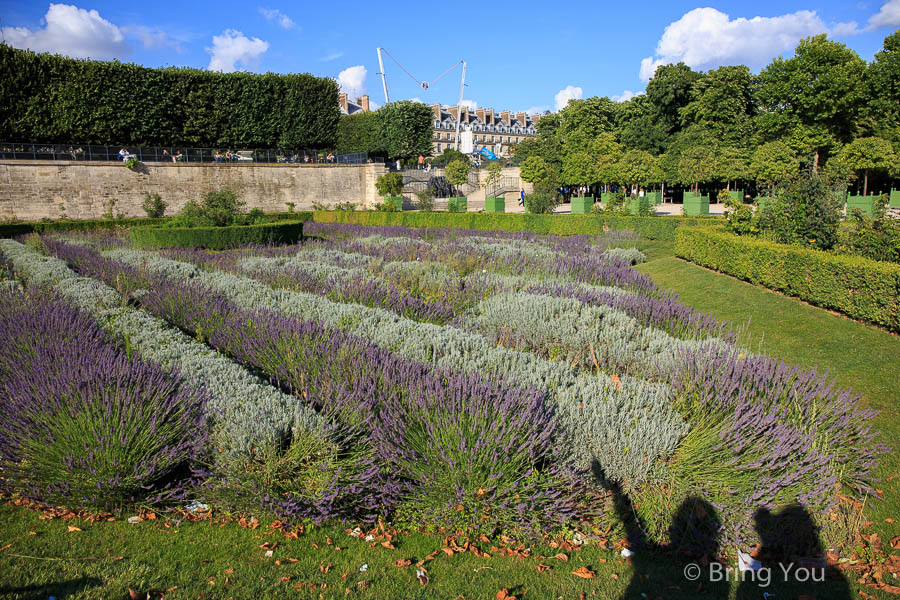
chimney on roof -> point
(364, 102)
(436, 109)
(505, 116)
(342, 101)
(521, 117)
(536, 117)
(489, 113)
(479, 112)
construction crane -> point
(425, 85)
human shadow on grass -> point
(792, 554)
(682, 568)
(58, 589)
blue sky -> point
(528, 55)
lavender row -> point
(84, 423)
(601, 416)
(450, 439)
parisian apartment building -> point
(494, 130)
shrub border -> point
(858, 287)
(217, 238)
(654, 228)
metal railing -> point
(501, 186)
(175, 154)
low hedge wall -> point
(9, 230)
(13, 229)
(864, 289)
(217, 238)
(654, 228)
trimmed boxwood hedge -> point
(864, 289)
(9, 230)
(654, 228)
(13, 229)
(217, 238)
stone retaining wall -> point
(32, 190)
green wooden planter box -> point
(397, 201)
(582, 206)
(895, 199)
(695, 204)
(634, 205)
(866, 204)
(737, 195)
(495, 204)
(654, 197)
(605, 197)
(457, 204)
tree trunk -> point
(865, 182)
(816, 162)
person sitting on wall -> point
(228, 155)
(178, 157)
(123, 153)
(219, 157)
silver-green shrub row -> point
(626, 426)
(245, 412)
(559, 328)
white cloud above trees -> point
(562, 97)
(74, 32)
(706, 38)
(352, 80)
(232, 47)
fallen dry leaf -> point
(388, 545)
(542, 568)
(73, 528)
(561, 557)
(584, 573)
(504, 595)
(447, 551)
(403, 562)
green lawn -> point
(42, 558)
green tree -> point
(637, 126)
(820, 88)
(733, 165)
(868, 154)
(588, 118)
(536, 171)
(606, 152)
(389, 184)
(458, 172)
(882, 110)
(774, 164)
(697, 164)
(579, 168)
(639, 168)
(494, 172)
(406, 128)
(722, 103)
(669, 91)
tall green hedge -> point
(864, 289)
(217, 238)
(50, 98)
(654, 228)
(397, 130)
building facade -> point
(495, 131)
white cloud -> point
(888, 16)
(416, 99)
(71, 31)
(470, 104)
(570, 92)
(625, 96)
(232, 47)
(706, 38)
(352, 80)
(276, 16)
(537, 110)
(332, 56)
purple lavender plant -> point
(85, 424)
